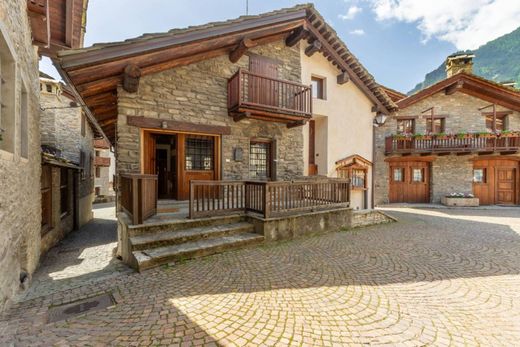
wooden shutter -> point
(148, 150)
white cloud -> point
(467, 24)
(358, 32)
(351, 12)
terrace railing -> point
(433, 144)
(138, 196)
(269, 199)
(247, 90)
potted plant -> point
(509, 133)
(402, 137)
(460, 199)
(464, 135)
(486, 135)
(442, 136)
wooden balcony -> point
(138, 196)
(267, 199)
(252, 95)
(452, 144)
(102, 161)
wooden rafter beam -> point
(296, 124)
(314, 47)
(454, 87)
(241, 49)
(131, 76)
(343, 78)
(69, 22)
(297, 35)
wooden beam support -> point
(343, 78)
(239, 116)
(156, 123)
(69, 22)
(314, 47)
(131, 77)
(241, 49)
(297, 35)
(298, 123)
(454, 87)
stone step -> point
(149, 258)
(148, 241)
(181, 224)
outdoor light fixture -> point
(380, 118)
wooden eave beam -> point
(38, 11)
(131, 76)
(296, 124)
(241, 49)
(297, 35)
(314, 47)
(69, 22)
(343, 78)
(454, 87)
(140, 47)
(346, 67)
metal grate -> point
(67, 311)
(199, 153)
(259, 155)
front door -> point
(263, 86)
(506, 179)
(409, 182)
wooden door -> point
(409, 182)
(313, 168)
(505, 187)
(263, 91)
(148, 148)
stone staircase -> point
(155, 245)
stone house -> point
(459, 135)
(67, 138)
(26, 31)
(104, 170)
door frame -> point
(181, 170)
(407, 164)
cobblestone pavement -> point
(437, 277)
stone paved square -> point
(437, 277)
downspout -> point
(372, 195)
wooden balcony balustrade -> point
(269, 199)
(452, 144)
(268, 98)
(138, 196)
(101, 161)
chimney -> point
(459, 62)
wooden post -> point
(267, 205)
(135, 201)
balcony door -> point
(263, 90)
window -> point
(260, 160)
(98, 172)
(406, 126)
(64, 191)
(439, 125)
(417, 175)
(398, 174)
(24, 136)
(359, 177)
(199, 153)
(479, 176)
(7, 96)
(318, 87)
(46, 191)
(98, 153)
(85, 161)
(500, 123)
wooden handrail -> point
(269, 199)
(138, 196)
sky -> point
(398, 41)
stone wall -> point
(449, 173)
(20, 204)
(197, 93)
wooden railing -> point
(452, 144)
(138, 196)
(269, 199)
(250, 90)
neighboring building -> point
(26, 30)
(67, 139)
(459, 135)
(103, 166)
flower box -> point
(460, 201)
(487, 136)
(509, 134)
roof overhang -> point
(472, 85)
(95, 72)
(354, 160)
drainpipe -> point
(373, 165)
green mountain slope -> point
(497, 60)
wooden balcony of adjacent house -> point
(102, 161)
(253, 95)
(457, 144)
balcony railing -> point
(138, 196)
(269, 199)
(102, 161)
(272, 97)
(452, 144)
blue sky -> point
(398, 41)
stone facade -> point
(449, 173)
(197, 93)
(66, 129)
(19, 174)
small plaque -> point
(238, 154)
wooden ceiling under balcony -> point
(96, 72)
